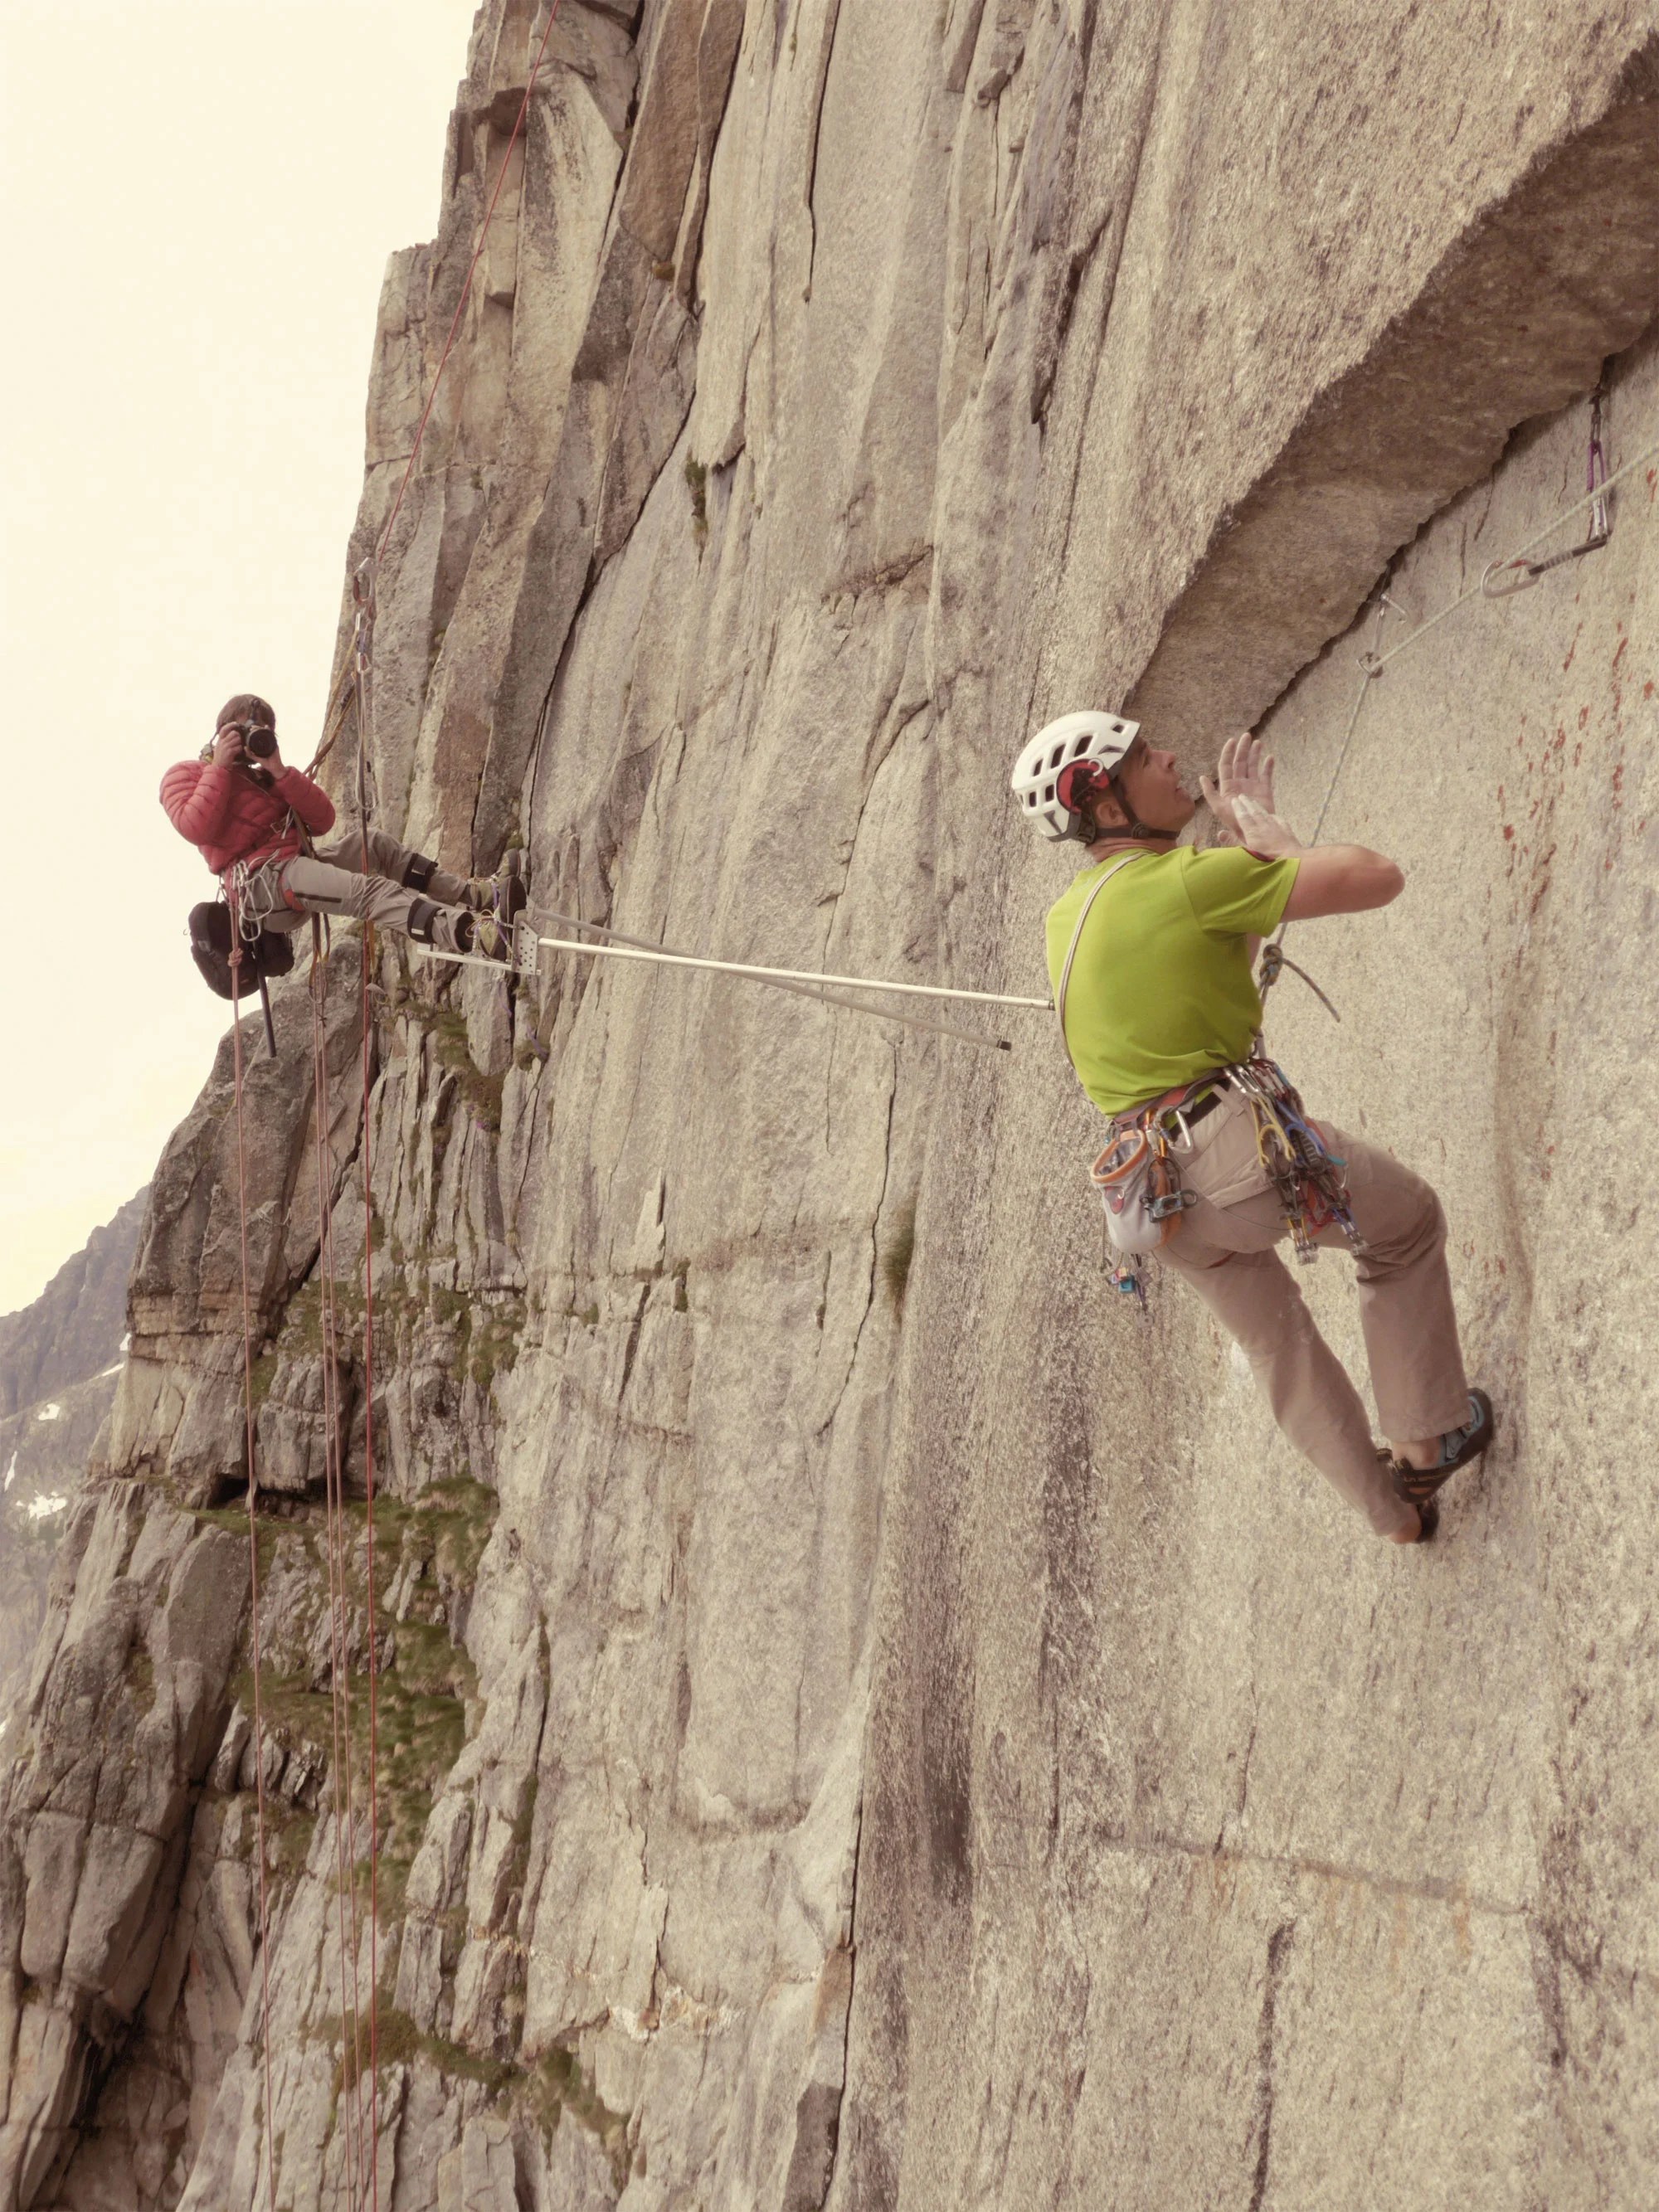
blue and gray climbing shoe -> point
(1417, 1485)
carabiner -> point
(1524, 577)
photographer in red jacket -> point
(253, 819)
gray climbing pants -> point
(337, 879)
(1224, 1247)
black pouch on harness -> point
(270, 953)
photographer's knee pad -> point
(419, 872)
(423, 915)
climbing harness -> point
(1520, 571)
(236, 958)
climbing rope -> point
(1372, 663)
(344, 1811)
(253, 1525)
(791, 983)
(361, 657)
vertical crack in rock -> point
(1279, 1944)
(812, 2169)
(826, 54)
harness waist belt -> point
(1173, 1101)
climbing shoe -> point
(1428, 1513)
(1417, 1485)
(489, 937)
(511, 896)
(503, 894)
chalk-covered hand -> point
(1263, 832)
(1244, 770)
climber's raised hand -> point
(1261, 828)
(1244, 770)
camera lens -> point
(261, 743)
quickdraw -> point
(1305, 1173)
(1502, 578)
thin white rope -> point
(788, 975)
(796, 990)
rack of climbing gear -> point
(1306, 1174)
(1140, 1189)
(1518, 566)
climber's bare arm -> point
(1330, 879)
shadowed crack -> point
(1516, 318)
(1279, 1944)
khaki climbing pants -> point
(336, 879)
(1224, 1247)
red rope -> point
(344, 1818)
(253, 1525)
(373, 1656)
(466, 289)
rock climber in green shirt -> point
(1151, 955)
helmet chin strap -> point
(1091, 833)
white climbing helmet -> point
(1036, 781)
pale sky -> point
(199, 199)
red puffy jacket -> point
(231, 817)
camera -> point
(261, 742)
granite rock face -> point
(862, 1723)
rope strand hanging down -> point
(344, 1814)
(253, 1528)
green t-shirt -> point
(1160, 988)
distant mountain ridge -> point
(74, 1328)
(59, 1360)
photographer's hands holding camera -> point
(230, 750)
